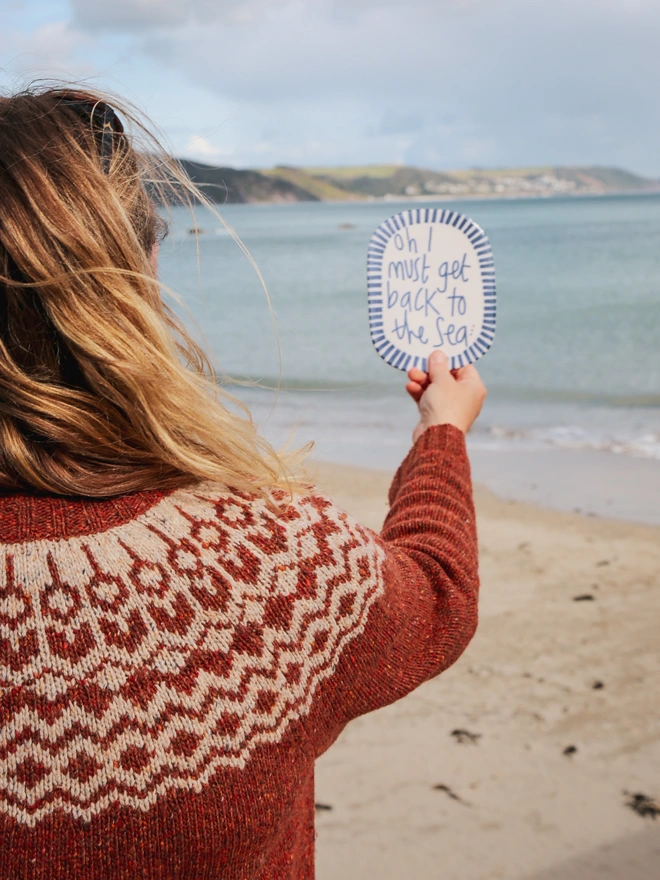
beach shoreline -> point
(362, 490)
(431, 198)
(542, 459)
(590, 482)
(522, 761)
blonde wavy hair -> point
(102, 390)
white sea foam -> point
(643, 445)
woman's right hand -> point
(445, 397)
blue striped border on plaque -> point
(477, 237)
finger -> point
(438, 366)
(415, 390)
(417, 375)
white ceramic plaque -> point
(431, 285)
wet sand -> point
(591, 482)
(520, 762)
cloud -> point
(263, 148)
(138, 16)
(444, 51)
(486, 80)
(202, 148)
(129, 15)
(50, 50)
(400, 122)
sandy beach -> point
(523, 761)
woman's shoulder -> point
(297, 513)
(186, 536)
(271, 534)
(27, 517)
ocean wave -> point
(330, 408)
(643, 400)
(385, 389)
(271, 383)
(644, 445)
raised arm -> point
(426, 610)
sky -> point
(440, 84)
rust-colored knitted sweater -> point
(171, 664)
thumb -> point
(438, 366)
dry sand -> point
(512, 805)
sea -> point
(576, 359)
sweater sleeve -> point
(426, 613)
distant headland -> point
(288, 184)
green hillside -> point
(351, 172)
(379, 182)
(382, 181)
(285, 183)
(232, 185)
(320, 187)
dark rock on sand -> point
(464, 736)
(451, 794)
(643, 805)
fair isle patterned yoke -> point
(207, 609)
(172, 664)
